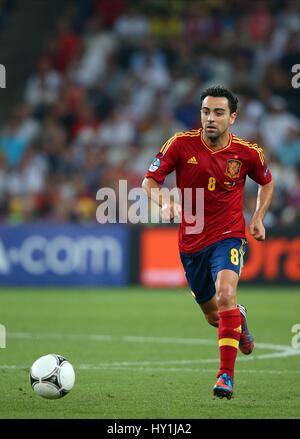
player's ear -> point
(232, 117)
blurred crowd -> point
(117, 78)
(6, 7)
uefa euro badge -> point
(233, 168)
(155, 164)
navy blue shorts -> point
(202, 268)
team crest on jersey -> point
(233, 168)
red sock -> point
(229, 337)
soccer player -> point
(216, 160)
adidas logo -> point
(192, 161)
(238, 329)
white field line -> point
(163, 369)
(53, 336)
(135, 339)
(185, 362)
(167, 340)
(289, 352)
(281, 351)
(185, 369)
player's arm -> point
(260, 173)
(163, 164)
(264, 198)
(169, 208)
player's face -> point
(216, 117)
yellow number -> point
(234, 256)
(211, 184)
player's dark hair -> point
(221, 92)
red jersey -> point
(221, 174)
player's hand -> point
(169, 211)
(257, 229)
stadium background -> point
(93, 91)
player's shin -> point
(229, 335)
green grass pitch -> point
(142, 354)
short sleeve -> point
(258, 169)
(164, 162)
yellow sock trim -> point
(229, 342)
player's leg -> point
(229, 331)
(246, 344)
(201, 281)
(226, 264)
(199, 277)
(210, 311)
(222, 312)
(224, 288)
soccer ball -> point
(52, 376)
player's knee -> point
(225, 295)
